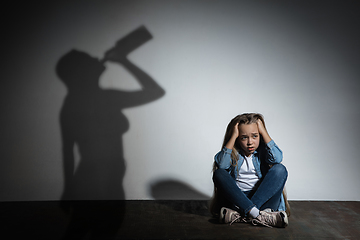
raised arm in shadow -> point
(149, 92)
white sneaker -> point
(228, 215)
(271, 219)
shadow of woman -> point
(91, 119)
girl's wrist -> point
(234, 137)
(230, 144)
(266, 137)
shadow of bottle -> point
(91, 119)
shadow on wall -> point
(91, 119)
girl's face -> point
(249, 138)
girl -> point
(248, 177)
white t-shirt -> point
(247, 177)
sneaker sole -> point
(284, 218)
(222, 215)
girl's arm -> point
(263, 132)
(274, 153)
(230, 144)
(223, 158)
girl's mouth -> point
(250, 148)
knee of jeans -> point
(280, 170)
(218, 172)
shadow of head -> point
(78, 69)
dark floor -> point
(169, 220)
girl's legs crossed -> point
(226, 186)
(269, 192)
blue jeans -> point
(266, 195)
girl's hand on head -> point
(262, 131)
(261, 127)
(235, 134)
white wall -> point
(295, 63)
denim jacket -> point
(271, 155)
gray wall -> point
(294, 62)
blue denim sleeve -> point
(274, 153)
(223, 158)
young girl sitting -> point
(248, 177)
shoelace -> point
(268, 218)
(239, 218)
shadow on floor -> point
(169, 189)
(150, 220)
